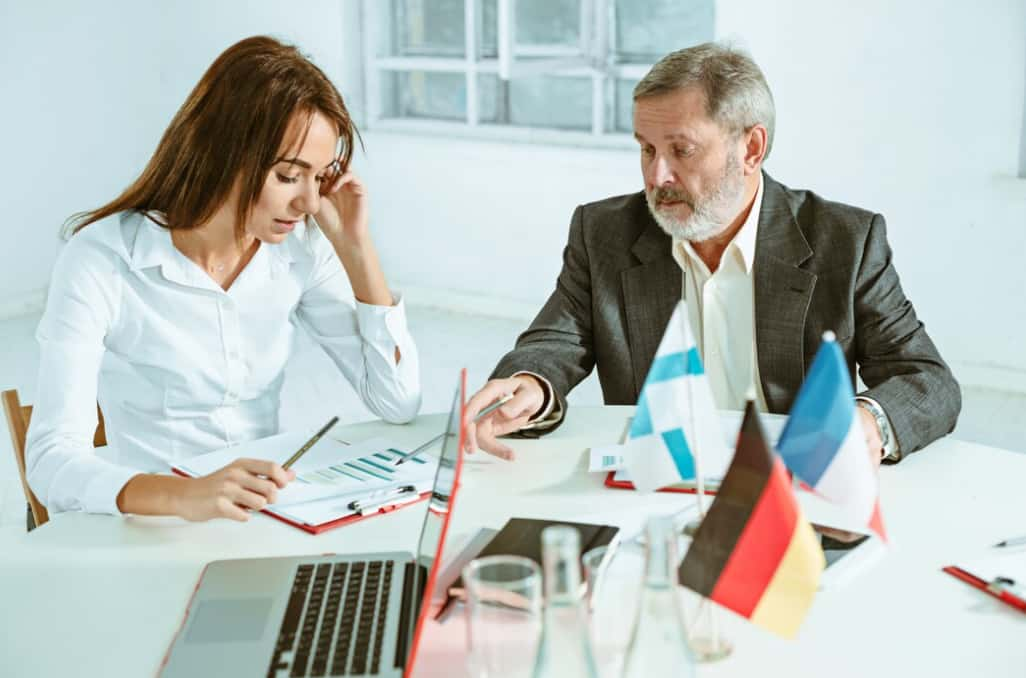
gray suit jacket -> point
(819, 265)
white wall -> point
(84, 103)
(912, 109)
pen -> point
(382, 500)
(309, 443)
(1001, 588)
(480, 415)
(1016, 541)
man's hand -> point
(874, 441)
(528, 397)
(228, 493)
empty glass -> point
(612, 596)
(503, 611)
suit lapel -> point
(650, 291)
(783, 291)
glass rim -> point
(599, 551)
(477, 564)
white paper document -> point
(730, 424)
(606, 458)
(330, 475)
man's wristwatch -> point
(890, 444)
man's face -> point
(694, 178)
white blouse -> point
(181, 366)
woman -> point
(173, 304)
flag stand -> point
(707, 644)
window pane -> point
(418, 94)
(487, 30)
(428, 28)
(538, 101)
(491, 99)
(645, 31)
(548, 22)
(538, 22)
(624, 121)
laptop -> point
(329, 615)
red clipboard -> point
(994, 589)
(330, 525)
(628, 485)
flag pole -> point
(695, 454)
(699, 477)
(714, 648)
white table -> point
(100, 596)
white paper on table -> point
(327, 510)
(730, 424)
(605, 458)
(372, 476)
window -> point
(522, 69)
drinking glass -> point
(503, 611)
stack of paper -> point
(329, 476)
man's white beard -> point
(709, 216)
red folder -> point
(996, 589)
(628, 485)
(347, 520)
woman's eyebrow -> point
(303, 163)
(294, 161)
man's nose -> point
(660, 172)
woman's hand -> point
(343, 219)
(343, 214)
(243, 484)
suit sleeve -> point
(898, 361)
(558, 344)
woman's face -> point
(292, 189)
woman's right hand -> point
(241, 486)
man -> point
(765, 270)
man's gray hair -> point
(736, 94)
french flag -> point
(823, 442)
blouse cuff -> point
(383, 326)
(101, 492)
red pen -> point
(998, 588)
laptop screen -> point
(440, 506)
(445, 477)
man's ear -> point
(755, 140)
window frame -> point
(593, 58)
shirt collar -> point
(745, 238)
(743, 242)
(153, 247)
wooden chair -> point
(18, 417)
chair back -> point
(18, 417)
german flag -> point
(754, 552)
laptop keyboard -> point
(334, 623)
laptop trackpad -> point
(229, 620)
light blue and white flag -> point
(676, 418)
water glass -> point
(613, 581)
(503, 609)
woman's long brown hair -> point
(230, 129)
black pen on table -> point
(309, 443)
(1016, 541)
(480, 415)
